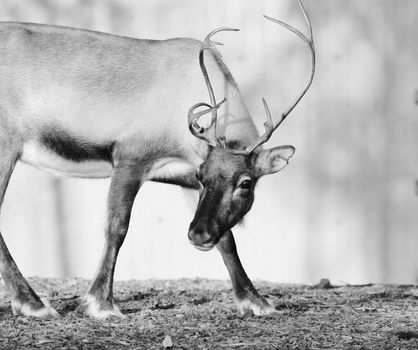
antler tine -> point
(204, 133)
(210, 44)
(309, 41)
(268, 125)
(197, 130)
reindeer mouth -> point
(203, 248)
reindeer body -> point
(87, 104)
(73, 104)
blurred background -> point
(345, 208)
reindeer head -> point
(230, 171)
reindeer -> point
(88, 104)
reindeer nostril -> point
(199, 236)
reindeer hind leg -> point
(23, 298)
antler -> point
(208, 134)
(270, 128)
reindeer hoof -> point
(256, 305)
(91, 307)
(40, 309)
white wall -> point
(345, 208)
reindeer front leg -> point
(125, 183)
(246, 296)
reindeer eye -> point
(245, 185)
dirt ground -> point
(200, 314)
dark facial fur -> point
(227, 194)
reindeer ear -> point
(272, 160)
